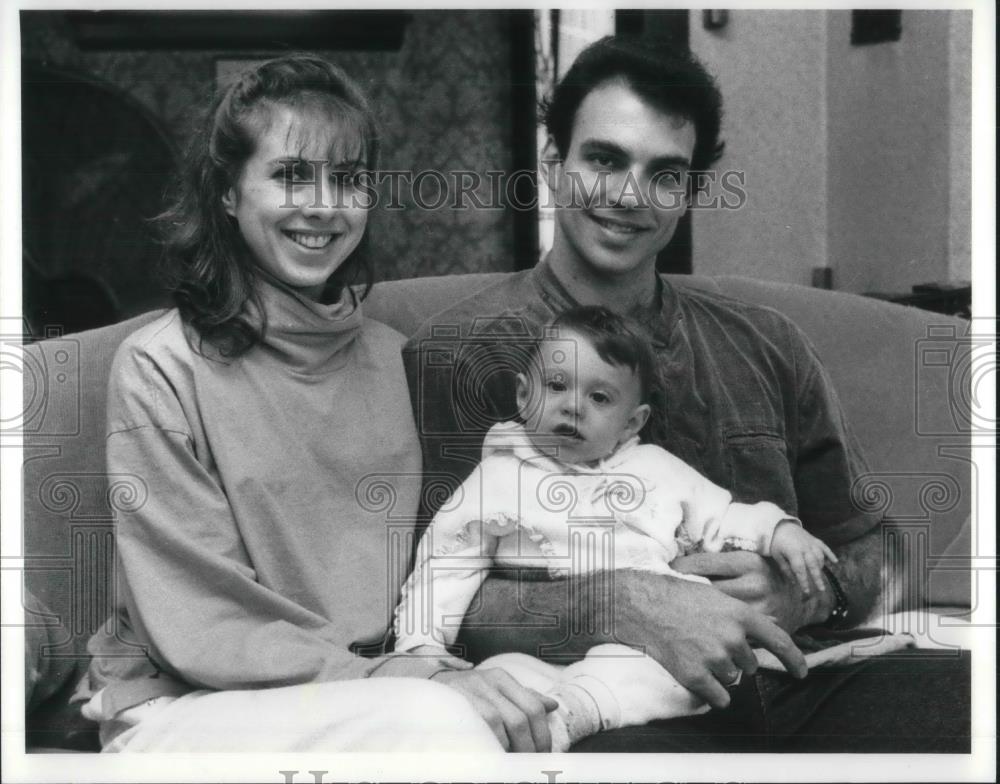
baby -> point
(569, 488)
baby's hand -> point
(800, 555)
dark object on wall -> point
(822, 277)
(95, 168)
(670, 26)
(875, 27)
(948, 298)
(714, 19)
(365, 30)
(524, 152)
(62, 304)
(673, 29)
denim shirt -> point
(745, 399)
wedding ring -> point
(736, 680)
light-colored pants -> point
(373, 715)
(389, 714)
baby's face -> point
(575, 402)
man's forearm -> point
(557, 620)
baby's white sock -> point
(613, 686)
(629, 688)
(579, 714)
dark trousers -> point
(914, 701)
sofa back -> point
(899, 404)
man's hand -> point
(756, 580)
(517, 715)
(701, 636)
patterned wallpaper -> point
(443, 99)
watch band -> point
(839, 615)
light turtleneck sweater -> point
(275, 496)
(637, 508)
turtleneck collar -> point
(305, 336)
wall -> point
(857, 157)
(960, 146)
(889, 132)
(443, 99)
(772, 84)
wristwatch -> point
(838, 618)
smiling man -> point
(620, 187)
(743, 399)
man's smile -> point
(617, 225)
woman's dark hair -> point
(208, 266)
(664, 75)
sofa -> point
(899, 373)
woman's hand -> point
(517, 715)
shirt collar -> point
(661, 319)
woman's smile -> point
(310, 240)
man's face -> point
(620, 188)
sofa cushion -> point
(67, 510)
(44, 674)
(406, 304)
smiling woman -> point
(253, 574)
(269, 162)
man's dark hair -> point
(618, 340)
(664, 75)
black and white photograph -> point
(498, 394)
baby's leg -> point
(577, 715)
(613, 686)
(630, 688)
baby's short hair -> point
(618, 340)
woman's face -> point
(297, 202)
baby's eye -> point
(600, 398)
(555, 385)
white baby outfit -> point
(639, 508)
